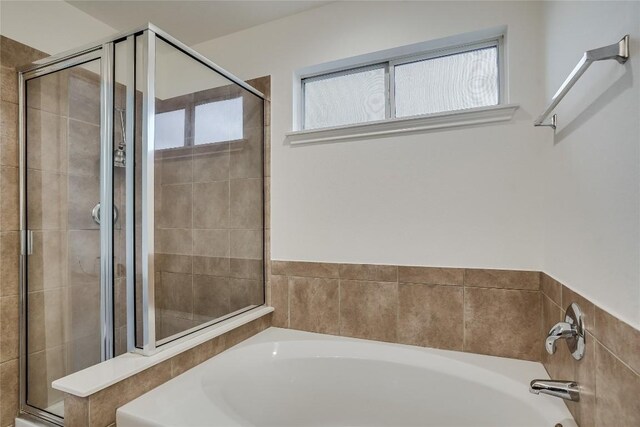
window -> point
(447, 83)
(198, 124)
(218, 121)
(170, 129)
(441, 80)
(343, 98)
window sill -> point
(473, 116)
(97, 377)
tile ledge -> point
(98, 377)
(449, 119)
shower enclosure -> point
(141, 204)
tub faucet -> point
(562, 330)
(571, 331)
(567, 390)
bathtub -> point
(282, 377)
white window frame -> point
(389, 59)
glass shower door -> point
(62, 284)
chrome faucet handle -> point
(559, 330)
(571, 330)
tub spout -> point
(567, 390)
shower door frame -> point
(105, 51)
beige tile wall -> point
(12, 55)
(609, 373)
(448, 308)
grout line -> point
(288, 303)
(340, 307)
(397, 310)
(88, 410)
(464, 311)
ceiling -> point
(192, 22)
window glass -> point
(355, 96)
(218, 121)
(169, 131)
(447, 83)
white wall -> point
(592, 168)
(51, 26)
(463, 197)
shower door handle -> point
(95, 214)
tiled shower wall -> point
(12, 55)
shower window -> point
(170, 128)
(218, 121)
(426, 82)
(212, 121)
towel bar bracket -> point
(552, 123)
(618, 51)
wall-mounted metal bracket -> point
(552, 123)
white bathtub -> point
(282, 377)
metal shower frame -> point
(104, 50)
